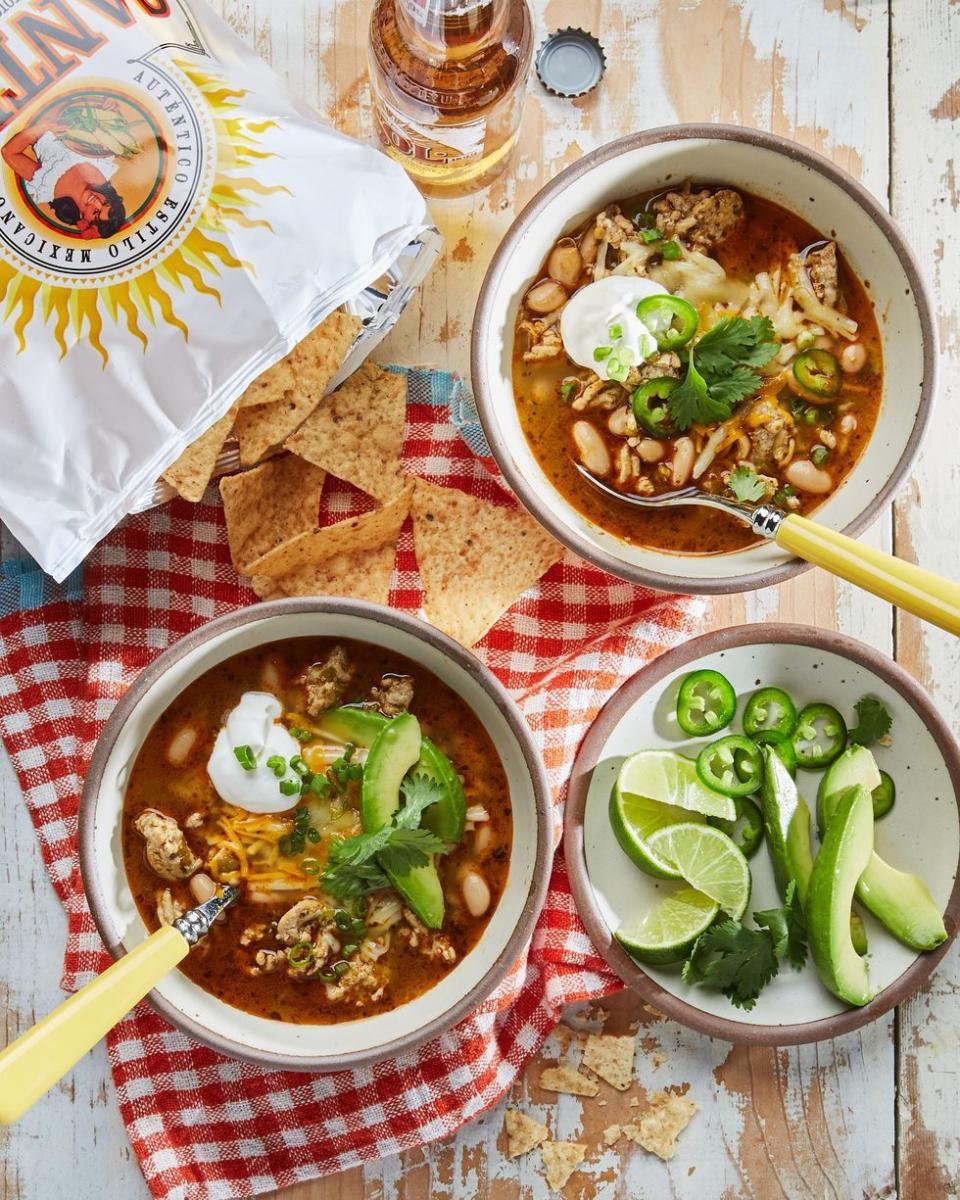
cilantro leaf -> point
(733, 341)
(735, 960)
(788, 927)
(873, 721)
(691, 401)
(740, 962)
(737, 386)
(745, 484)
(358, 865)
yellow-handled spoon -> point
(909, 587)
(32, 1064)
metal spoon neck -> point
(196, 923)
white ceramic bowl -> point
(921, 834)
(353, 1043)
(771, 167)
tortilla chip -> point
(357, 433)
(611, 1135)
(662, 1123)
(560, 1160)
(271, 386)
(313, 364)
(268, 506)
(568, 1081)
(611, 1058)
(357, 535)
(352, 558)
(523, 1132)
(476, 559)
(193, 470)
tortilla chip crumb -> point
(560, 1160)
(657, 1058)
(611, 1135)
(601, 1104)
(611, 1058)
(634, 1101)
(633, 1027)
(523, 1132)
(654, 1012)
(567, 1081)
(661, 1125)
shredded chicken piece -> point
(394, 695)
(168, 909)
(702, 219)
(823, 273)
(194, 821)
(268, 961)
(431, 945)
(614, 228)
(327, 682)
(167, 851)
(544, 343)
(771, 436)
(658, 367)
(598, 393)
(253, 933)
(361, 983)
(295, 924)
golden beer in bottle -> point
(449, 80)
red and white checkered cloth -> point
(205, 1127)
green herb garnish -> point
(746, 484)
(651, 235)
(873, 721)
(721, 370)
(277, 765)
(740, 962)
(358, 865)
(301, 735)
(615, 332)
(567, 389)
(671, 251)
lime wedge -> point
(708, 860)
(669, 929)
(669, 778)
(634, 818)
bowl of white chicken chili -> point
(702, 306)
(370, 790)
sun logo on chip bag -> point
(118, 194)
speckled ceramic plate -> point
(920, 834)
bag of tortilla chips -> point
(172, 223)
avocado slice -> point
(357, 725)
(397, 748)
(898, 899)
(786, 819)
(844, 854)
(361, 726)
(447, 817)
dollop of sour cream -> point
(600, 328)
(253, 724)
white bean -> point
(848, 423)
(482, 838)
(588, 247)
(592, 448)
(621, 422)
(546, 297)
(651, 451)
(853, 358)
(182, 745)
(270, 677)
(565, 264)
(683, 455)
(202, 888)
(808, 478)
(476, 893)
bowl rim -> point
(466, 661)
(539, 505)
(632, 974)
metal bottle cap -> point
(570, 62)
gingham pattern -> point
(205, 1127)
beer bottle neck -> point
(451, 30)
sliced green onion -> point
(277, 765)
(289, 787)
(819, 455)
(301, 735)
(672, 251)
(350, 949)
(313, 835)
(285, 845)
(301, 955)
(651, 235)
(310, 866)
(615, 332)
(601, 353)
(245, 757)
(297, 764)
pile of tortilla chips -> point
(475, 558)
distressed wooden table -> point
(875, 86)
